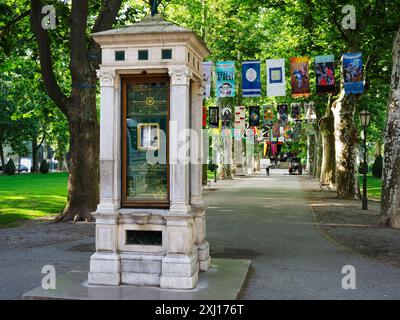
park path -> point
(268, 220)
(265, 219)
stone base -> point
(204, 256)
(180, 271)
(105, 269)
(224, 281)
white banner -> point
(240, 118)
(207, 78)
(276, 84)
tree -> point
(390, 208)
(328, 165)
(79, 106)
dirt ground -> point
(343, 222)
(43, 232)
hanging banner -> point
(296, 111)
(268, 115)
(300, 80)
(240, 118)
(213, 117)
(226, 117)
(309, 108)
(276, 85)
(204, 117)
(225, 79)
(325, 73)
(251, 79)
(283, 113)
(353, 73)
(276, 130)
(287, 133)
(207, 78)
(237, 134)
(254, 116)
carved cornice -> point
(107, 77)
(180, 75)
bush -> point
(10, 168)
(44, 167)
(363, 168)
(377, 167)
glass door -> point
(145, 170)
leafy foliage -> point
(10, 168)
(377, 167)
(44, 167)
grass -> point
(373, 187)
(30, 196)
(210, 175)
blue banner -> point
(225, 79)
(251, 80)
(353, 73)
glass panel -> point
(119, 55)
(143, 55)
(146, 142)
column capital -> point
(107, 77)
(180, 75)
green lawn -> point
(29, 196)
(373, 187)
(210, 175)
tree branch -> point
(107, 15)
(104, 21)
(78, 41)
(4, 30)
(46, 63)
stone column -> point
(197, 201)
(180, 266)
(105, 263)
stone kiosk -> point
(150, 223)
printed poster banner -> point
(204, 117)
(325, 73)
(226, 117)
(240, 118)
(254, 116)
(251, 78)
(353, 73)
(237, 134)
(296, 111)
(207, 78)
(276, 85)
(213, 116)
(283, 113)
(299, 76)
(268, 115)
(225, 79)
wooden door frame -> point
(137, 79)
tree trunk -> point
(318, 162)
(328, 166)
(311, 141)
(390, 208)
(345, 143)
(83, 179)
(227, 154)
(3, 164)
(34, 167)
(80, 106)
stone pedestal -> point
(179, 250)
